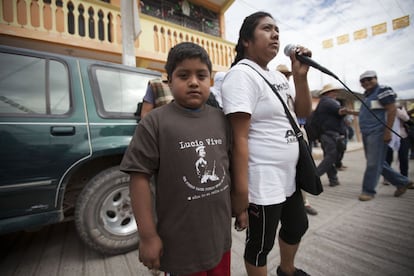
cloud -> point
(309, 22)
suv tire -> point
(103, 213)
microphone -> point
(307, 60)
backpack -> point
(313, 126)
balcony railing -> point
(96, 25)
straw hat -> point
(283, 69)
(328, 88)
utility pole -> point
(131, 29)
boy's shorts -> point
(263, 222)
(222, 269)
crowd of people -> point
(228, 150)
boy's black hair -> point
(246, 32)
(186, 50)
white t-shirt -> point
(273, 147)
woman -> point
(265, 148)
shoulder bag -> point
(307, 178)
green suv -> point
(65, 123)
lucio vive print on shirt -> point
(187, 152)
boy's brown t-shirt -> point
(188, 152)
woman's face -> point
(265, 43)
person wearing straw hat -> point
(333, 131)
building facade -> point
(92, 28)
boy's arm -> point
(150, 246)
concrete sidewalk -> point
(350, 237)
(347, 237)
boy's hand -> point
(150, 251)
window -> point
(184, 13)
(119, 91)
(33, 86)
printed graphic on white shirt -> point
(291, 136)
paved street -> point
(347, 237)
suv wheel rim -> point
(116, 213)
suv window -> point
(118, 91)
(44, 91)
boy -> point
(185, 144)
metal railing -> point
(96, 25)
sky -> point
(310, 22)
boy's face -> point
(190, 83)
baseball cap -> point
(368, 74)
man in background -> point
(333, 131)
(158, 94)
(410, 111)
(379, 100)
(215, 90)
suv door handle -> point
(62, 130)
